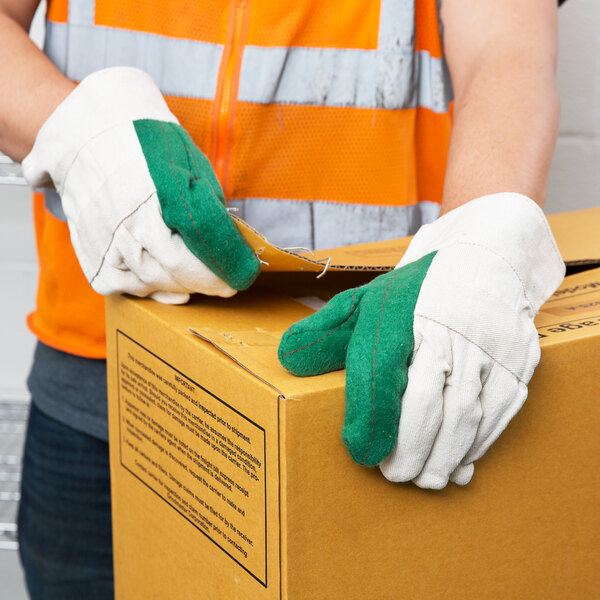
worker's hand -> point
(145, 211)
(439, 352)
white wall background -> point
(18, 273)
(575, 175)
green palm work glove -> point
(449, 337)
(369, 331)
(192, 202)
(145, 211)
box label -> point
(561, 327)
(200, 455)
(577, 307)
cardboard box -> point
(230, 479)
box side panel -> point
(194, 466)
(525, 527)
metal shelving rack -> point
(13, 421)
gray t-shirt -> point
(70, 389)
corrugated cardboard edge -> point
(274, 258)
(575, 233)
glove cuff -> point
(510, 225)
(103, 100)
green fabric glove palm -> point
(193, 204)
(368, 330)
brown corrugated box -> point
(230, 480)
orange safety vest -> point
(325, 122)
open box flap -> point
(577, 234)
(377, 256)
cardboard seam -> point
(235, 360)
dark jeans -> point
(64, 519)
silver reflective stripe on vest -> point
(396, 24)
(54, 204)
(391, 77)
(317, 224)
(179, 67)
(82, 12)
(332, 77)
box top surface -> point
(247, 328)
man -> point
(324, 126)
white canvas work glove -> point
(438, 353)
(476, 345)
(145, 211)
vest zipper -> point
(227, 88)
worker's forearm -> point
(31, 87)
(505, 128)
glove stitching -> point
(352, 311)
(373, 386)
(191, 156)
(225, 276)
(520, 379)
(114, 233)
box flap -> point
(576, 233)
(257, 343)
(377, 256)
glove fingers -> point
(170, 297)
(376, 369)
(421, 404)
(211, 234)
(318, 344)
(461, 414)
(502, 397)
(462, 474)
(114, 277)
(180, 268)
(379, 354)
(139, 274)
(190, 206)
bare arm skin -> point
(502, 59)
(31, 87)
